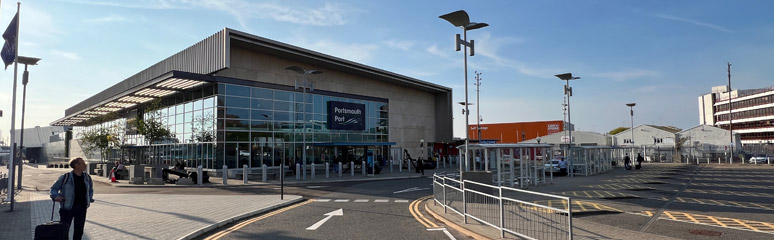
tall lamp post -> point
(306, 84)
(25, 79)
(461, 19)
(631, 112)
(478, 106)
(568, 92)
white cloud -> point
(435, 51)
(695, 22)
(67, 55)
(402, 45)
(111, 18)
(622, 76)
(491, 48)
(329, 14)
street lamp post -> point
(478, 106)
(568, 92)
(461, 19)
(304, 85)
(631, 112)
(25, 79)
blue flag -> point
(9, 48)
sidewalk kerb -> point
(203, 230)
(451, 224)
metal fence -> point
(527, 214)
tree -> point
(102, 139)
(203, 128)
(618, 130)
(151, 127)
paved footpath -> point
(140, 216)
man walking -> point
(639, 161)
(74, 191)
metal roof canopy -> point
(167, 84)
(506, 145)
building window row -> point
(762, 112)
(746, 103)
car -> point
(553, 166)
(763, 159)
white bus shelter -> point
(520, 163)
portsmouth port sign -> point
(346, 116)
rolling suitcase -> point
(628, 166)
(52, 230)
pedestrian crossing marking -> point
(725, 203)
(757, 226)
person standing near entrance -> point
(639, 161)
(420, 166)
(74, 191)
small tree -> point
(102, 139)
(151, 127)
(203, 128)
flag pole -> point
(11, 174)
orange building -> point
(515, 132)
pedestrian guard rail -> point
(526, 214)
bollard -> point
(327, 170)
(340, 169)
(225, 174)
(392, 160)
(199, 173)
(363, 167)
(313, 171)
(263, 173)
(352, 168)
(303, 167)
(298, 171)
(400, 166)
(244, 174)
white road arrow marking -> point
(444, 231)
(410, 190)
(329, 215)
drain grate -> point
(704, 232)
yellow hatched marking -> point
(768, 225)
(736, 203)
(759, 205)
(670, 215)
(716, 202)
(745, 224)
(691, 217)
(650, 214)
(564, 203)
(580, 204)
(602, 195)
(716, 221)
(697, 200)
(587, 194)
(678, 198)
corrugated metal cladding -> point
(205, 57)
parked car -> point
(759, 159)
(553, 166)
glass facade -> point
(238, 125)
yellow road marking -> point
(678, 198)
(670, 215)
(745, 224)
(716, 221)
(580, 204)
(690, 217)
(697, 200)
(418, 215)
(736, 203)
(768, 224)
(587, 194)
(759, 205)
(225, 232)
(716, 202)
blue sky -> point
(660, 54)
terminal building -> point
(752, 113)
(516, 132)
(237, 99)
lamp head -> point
(458, 18)
(566, 76)
(631, 104)
(27, 60)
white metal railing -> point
(527, 214)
